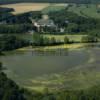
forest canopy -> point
(51, 1)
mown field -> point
(27, 7)
(90, 10)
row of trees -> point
(20, 23)
(10, 42)
(50, 1)
(5, 16)
(89, 39)
(17, 28)
(5, 10)
(40, 40)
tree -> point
(53, 41)
(72, 27)
(11, 42)
(46, 41)
(66, 40)
(0, 66)
(89, 39)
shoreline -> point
(64, 46)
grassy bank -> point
(64, 46)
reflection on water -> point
(57, 52)
(61, 68)
(37, 63)
(29, 65)
(92, 45)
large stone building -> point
(44, 22)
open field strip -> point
(26, 7)
(64, 46)
(76, 38)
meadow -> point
(90, 10)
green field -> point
(76, 38)
(85, 10)
(54, 7)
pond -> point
(34, 68)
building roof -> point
(45, 22)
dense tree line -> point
(5, 16)
(5, 10)
(5, 13)
(10, 42)
(36, 15)
(24, 17)
(39, 40)
(20, 23)
(51, 1)
(89, 39)
(19, 19)
(16, 28)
